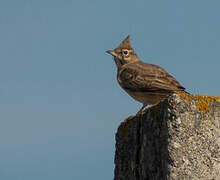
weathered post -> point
(175, 140)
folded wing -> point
(150, 78)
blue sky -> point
(60, 104)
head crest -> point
(125, 44)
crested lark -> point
(146, 83)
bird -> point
(147, 83)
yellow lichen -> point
(217, 98)
(182, 95)
(203, 102)
(185, 96)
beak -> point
(112, 53)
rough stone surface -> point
(179, 139)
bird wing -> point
(145, 77)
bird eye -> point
(125, 52)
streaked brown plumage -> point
(146, 83)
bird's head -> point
(124, 53)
